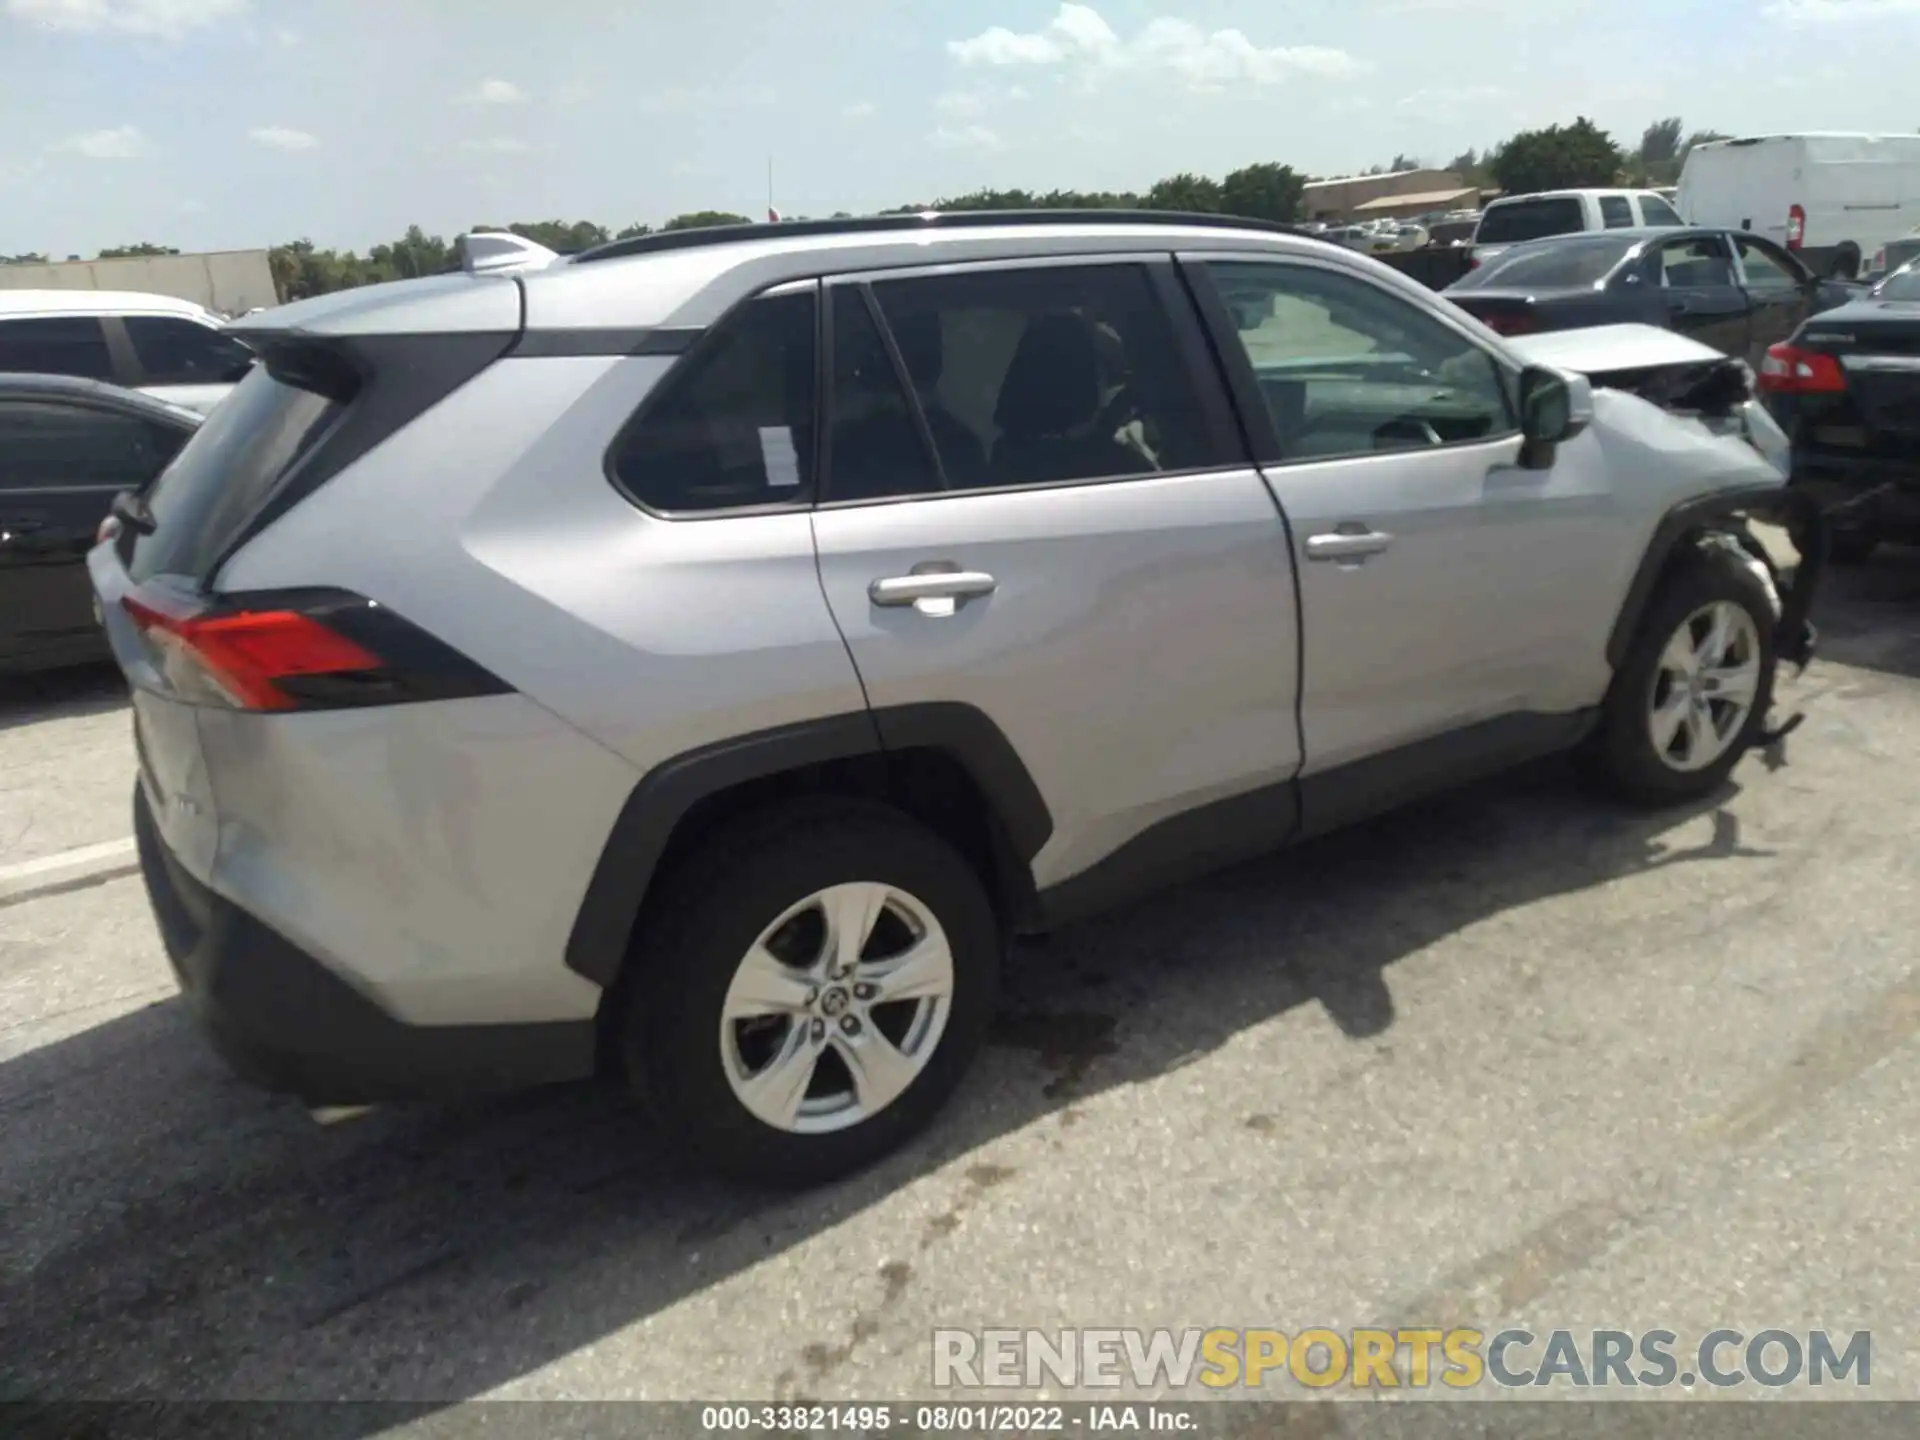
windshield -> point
(1567, 264)
(1515, 220)
(1901, 285)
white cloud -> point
(279, 137)
(859, 110)
(974, 102)
(166, 19)
(496, 92)
(967, 137)
(1837, 12)
(122, 142)
(1078, 39)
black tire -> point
(712, 909)
(1622, 755)
(1851, 547)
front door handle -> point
(932, 592)
(1355, 544)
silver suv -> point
(696, 658)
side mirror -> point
(1554, 407)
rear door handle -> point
(1347, 544)
(932, 592)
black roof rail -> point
(918, 220)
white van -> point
(170, 348)
(1834, 198)
(1516, 219)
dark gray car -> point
(1726, 288)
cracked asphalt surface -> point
(1512, 1057)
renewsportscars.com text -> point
(1412, 1358)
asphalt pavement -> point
(1511, 1057)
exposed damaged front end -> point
(1712, 397)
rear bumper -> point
(285, 1021)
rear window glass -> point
(1530, 220)
(233, 463)
(1901, 285)
(56, 345)
(1658, 212)
(1572, 263)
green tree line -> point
(1557, 157)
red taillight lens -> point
(243, 657)
(1796, 227)
(1789, 370)
(1473, 262)
(1511, 322)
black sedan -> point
(1725, 288)
(68, 447)
(1846, 389)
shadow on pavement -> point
(60, 694)
(174, 1234)
(1869, 615)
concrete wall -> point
(233, 281)
(1336, 199)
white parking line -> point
(83, 865)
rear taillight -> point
(1789, 370)
(303, 651)
(1511, 322)
(1796, 227)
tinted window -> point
(1658, 211)
(230, 467)
(1616, 213)
(1901, 285)
(1566, 263)
(1514, 220)
(1041, 376)
(877, 448)
(1348, 368)
(1764, 271)
(48, 445)
(56, 345)
(1699, 263)
(179, 352)
(732, 424)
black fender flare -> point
(1722, 510)
(603, 927)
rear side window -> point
(46, 445)
(1516, 220)
(1569, 263)
(1659, 212)
(230, 467)
(1616, 213)
(173, 351)
(56, 345)
(731, 425)
(1046, 376)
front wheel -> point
(1694, 688)
(810, 990)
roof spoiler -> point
(498, 252)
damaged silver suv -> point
(696, 657)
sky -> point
(225, 124)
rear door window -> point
(235, 461)
(55, 345)
(1765, 274)
(1615, 212)
(173, 351)
(1512, 221)
(50, 445)
(731, 426)
(1659, 212)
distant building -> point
(1388, 197)
(229, 282)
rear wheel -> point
(1694, 688)
(811, 989)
